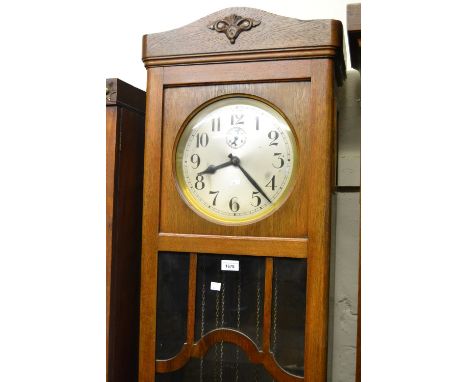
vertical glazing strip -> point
(267, 304)
(192, 287)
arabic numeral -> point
(278, 156)
(199, 184)
(233, 205)
(195, 159)
(273, 135)
(237, 119)
(202, 139)
(271, 183)
(215, 193)
(215, 125)
(257, 198)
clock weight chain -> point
(274, 341)
(203, 307)
(215, 373)
(221, 355)
(257, 320)
(238, 321)
(219, 323)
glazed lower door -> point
(230, 318)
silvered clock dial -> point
(235, 160)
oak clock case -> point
(235, 264)
(235, 160)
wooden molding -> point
(271, 37)
(199, 349)
(121, 93)
(251, 246)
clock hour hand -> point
(212, 169)
(236, 162)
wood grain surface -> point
(120, 93)
(274, 32)
(111, 132)
(149, 252)
(177, 217)
(319, 229)
(199, 350)
(243, 72)
(297, 65)
(275, 38)
(240, 245)
(124, 165)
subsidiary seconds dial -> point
(235, 160)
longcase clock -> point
(238, 177)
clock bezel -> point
(183, 189)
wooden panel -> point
(264, 55)
(239, 245)
(124, 160)
(275, 38)
(235, 337)
(241, 72)
(177, 217)
(111, 123)
(267, 305)
(273, 32)
(321, 133)
(149, 260)
(191, 299)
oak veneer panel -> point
(285, 70)
(179, 102)
(149, 254)
(274, 38)
(273, 32)
(111, 132)
(124, 161)
(242, 245)
(319, 221)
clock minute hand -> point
(212, 169)
(236, 162)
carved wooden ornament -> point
(233, 25)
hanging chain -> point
(223, 289)
(203, 306)
(215, 374)
(275, 312)
(257, 320)
(238, 322)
